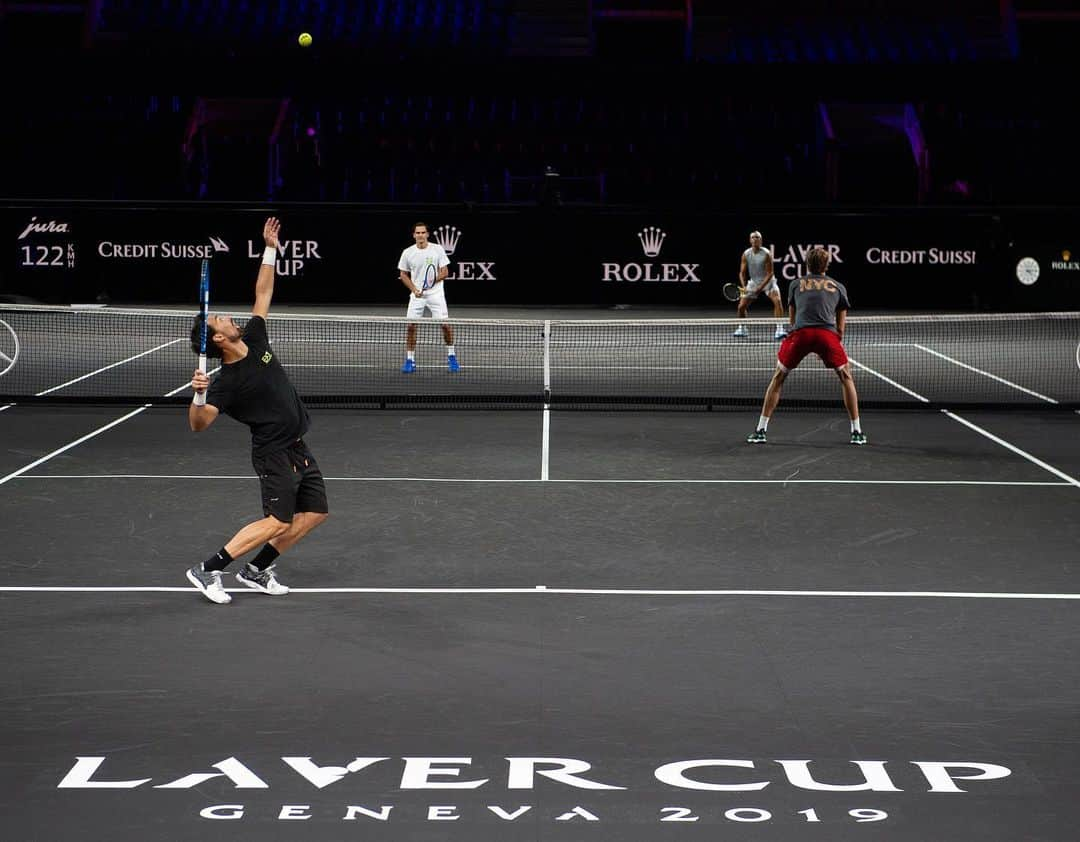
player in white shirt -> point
(412, 269)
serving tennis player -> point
(756, 277)
(817, 309)
(422, 268)
(255, 390)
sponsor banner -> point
(152, 255)
(347, 255)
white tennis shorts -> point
(434, 300)
(754, 287)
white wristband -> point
(269, 256)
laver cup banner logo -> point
(789, 261)
(293, 255)
(382, 790)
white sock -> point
(410, 355)
(763, 423)
(855, 427)
(450, 352)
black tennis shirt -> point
(256, 391)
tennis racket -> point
(430, 274)
(204, 312)
(733, 292)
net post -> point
(547, 361)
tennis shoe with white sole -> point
(452, 363)
(858, 438)
(409, 367)
(741, 331)
(209, 582)
(261, 580)
(757, 437)
(781, 332)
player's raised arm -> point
(264, 285)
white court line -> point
(545, 446)
(187, 385)
(1033, 459)
(6, 406)
(984, 373)
(60, 450)
(1069, 479)
(893, 383)
(106, 368)
(546, 590)
(88, 436)
(596, 481)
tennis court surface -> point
(527, 622)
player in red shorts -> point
(817, 308)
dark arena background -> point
(559, 596)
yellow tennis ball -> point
(305, 39)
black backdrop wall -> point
(925, 259)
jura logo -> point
(50, 227)
(447, 236)
(652, 240)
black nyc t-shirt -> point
(256, 391)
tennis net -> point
(113, 355)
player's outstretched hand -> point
(270, 232)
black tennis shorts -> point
(290, 482)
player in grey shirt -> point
(817, 308)
(755, 277)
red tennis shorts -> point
(812, 340)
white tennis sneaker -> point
(261, 580)
(209, 582)
(741, 331)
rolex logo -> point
(651, 240)
(447, 236)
